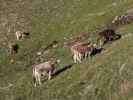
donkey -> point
(47, 67)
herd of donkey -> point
(79, 50)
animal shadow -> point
(116, 37)
(57, 72)
(96, 51)
(51, 45)
(14, 49)
(26, 34)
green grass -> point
(100, 78)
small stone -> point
(12, 61)
(39, 53)
(46, 52)
(114, 4)
(55, 46)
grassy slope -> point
(100, 78)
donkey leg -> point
(49, 75)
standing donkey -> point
(43, 69)
(81, 50)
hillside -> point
(106, 76)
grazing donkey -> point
(106, 35)
(81, 50)
(43, 69)
(21, 35)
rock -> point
(46, 52)
(114, 4)
(12, 61)
(39, 53)
(55, 46)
